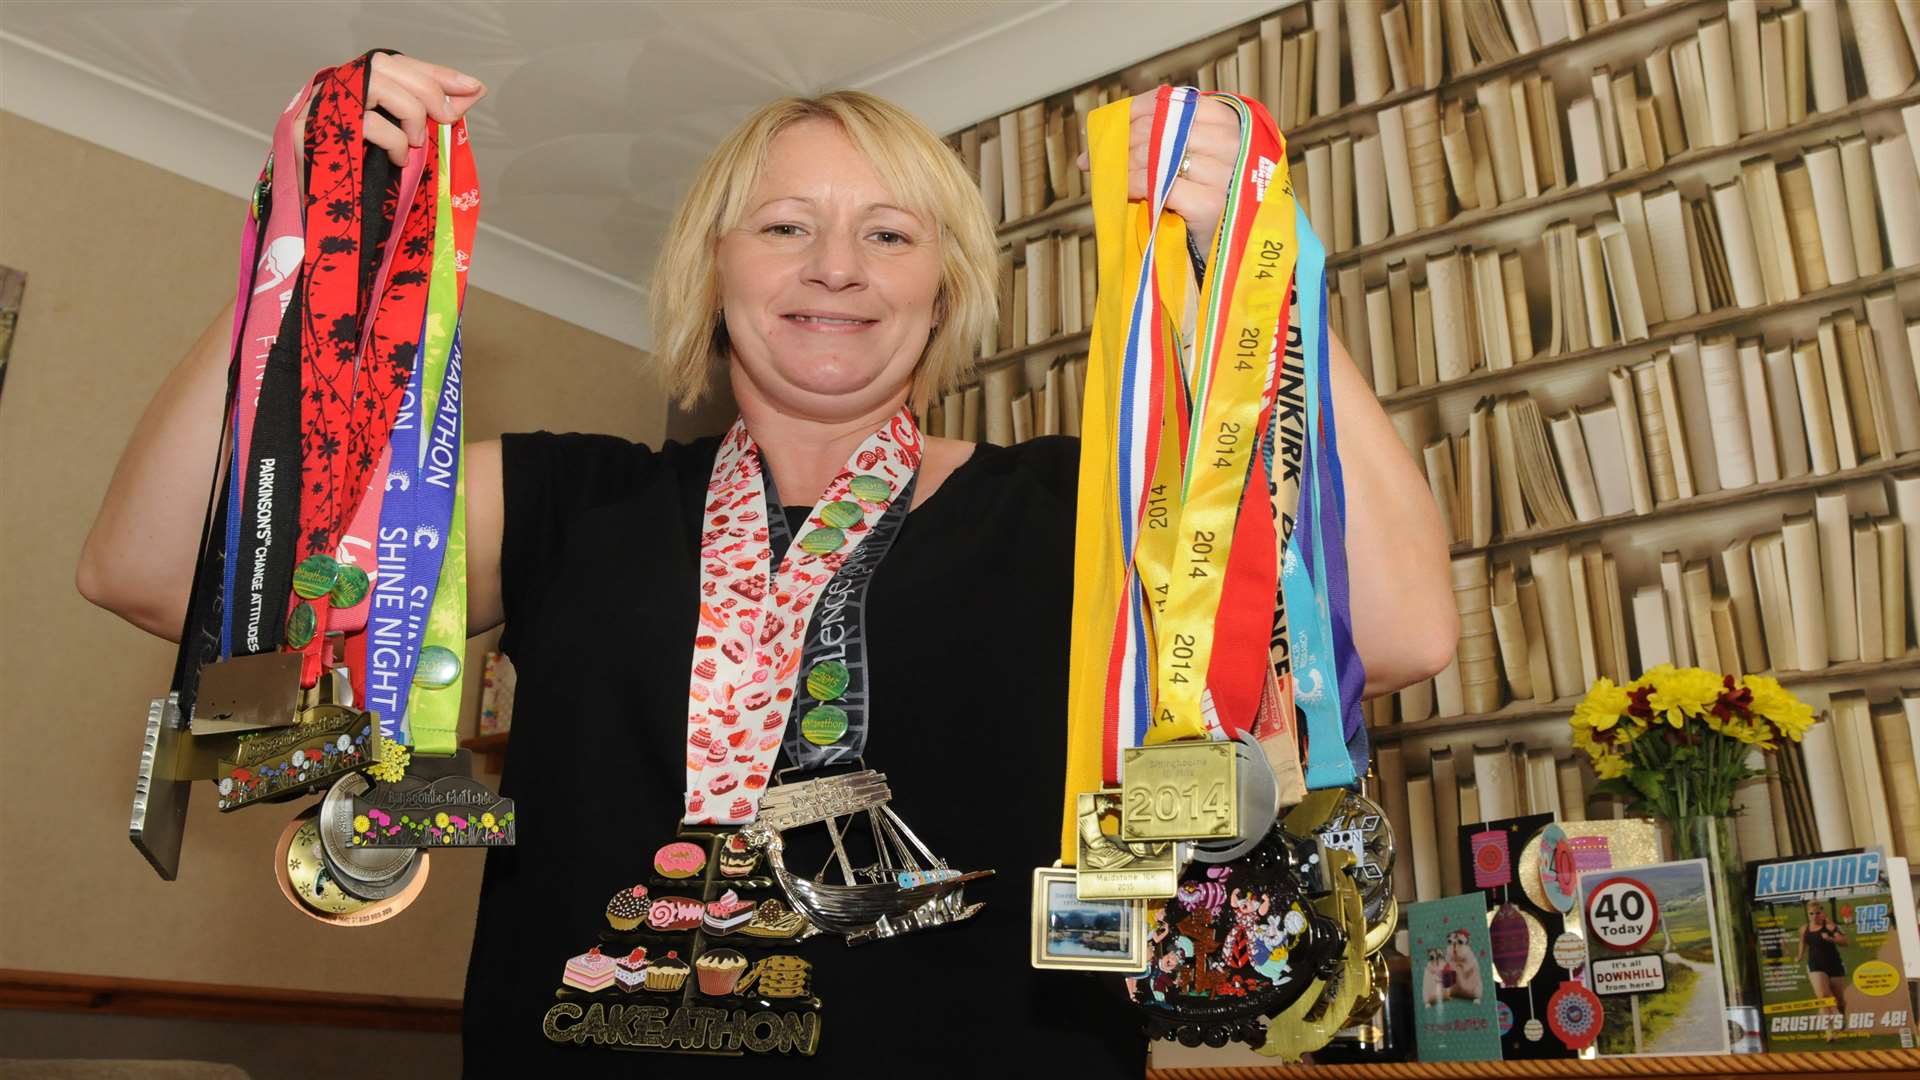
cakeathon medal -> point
(692, 960)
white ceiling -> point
(598, 112)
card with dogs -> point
(1453, 1002)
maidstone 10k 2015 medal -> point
(322, 648)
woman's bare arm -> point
(1405, 624)
(138, 559)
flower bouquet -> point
(1676, 743)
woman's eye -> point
(783, 229)
(888, 236)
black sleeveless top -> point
(969, 622)
(1823, 954)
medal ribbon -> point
(270, 264)
(1334, 721)
(831, 696)
(1316, 663)
(1167, 564)
(753, 619)
(360, 334)
(1183, 566)
(419, 594)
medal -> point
(306, 879)
(437, 803)
(907, 888)
(1236, 943)
(343, 415)
(692, 961)
(1109, 868)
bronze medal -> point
(1109, 868)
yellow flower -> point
(1754, 733)
(1684, 693)
(392, 766)
(1787, 713)
(486, 819)
(360, 823)
(440, 819)
(1602, 707)
(1611, 766)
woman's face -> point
(1816, 914)
(828, 285)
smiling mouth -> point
(824, 322)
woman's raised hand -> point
(416, 93)
(1213, 148)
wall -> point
(125, 264)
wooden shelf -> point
(1850, 1062)
(1682, 507)
(1021, 226)
(1522, 711)
(60, 991)
(1720, 319)
(1080, 338)
(491, 749)
(1626, 179)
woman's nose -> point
(834, 261)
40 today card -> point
(1832, 973)
(1653, 960)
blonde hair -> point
(917, 168)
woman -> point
(1820, 941)
(833, 256)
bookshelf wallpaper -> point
(1639, 285)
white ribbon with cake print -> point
(753, 617)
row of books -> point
(1772, 233)
(1003, 409)
(1023, 160)
(1702, 417)
(1828, 587)
(1046, 289)
(1851, 782)
(1295, 66)
(1430, 159)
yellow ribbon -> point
(1182, 552)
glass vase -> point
(1716, 840)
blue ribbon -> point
(1316, 596)
(414, 519)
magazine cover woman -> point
(1820, 941)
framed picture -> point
(1071, 934)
